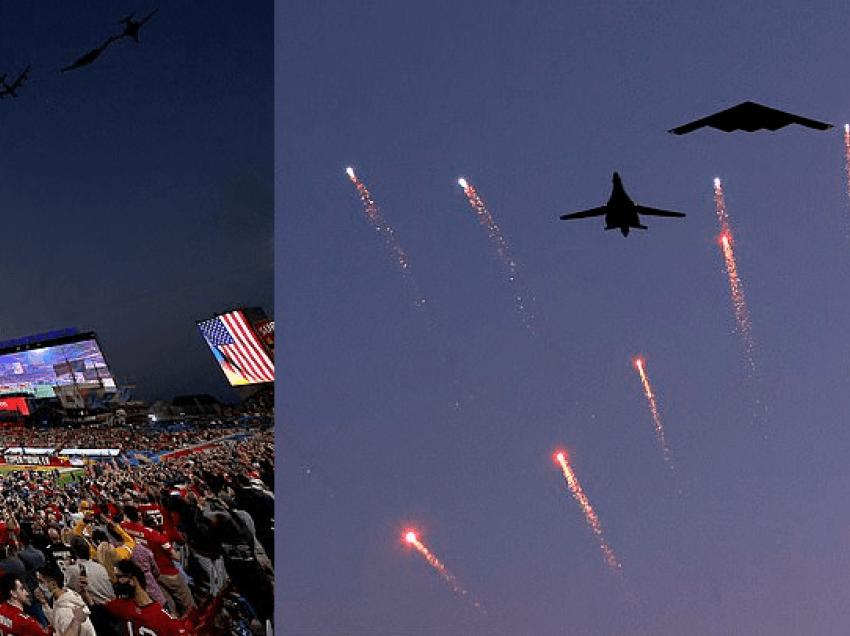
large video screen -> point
(38, 369)
(237, 349)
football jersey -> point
(14, 622)
(148, 620)
(156, 542)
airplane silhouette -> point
(131, 28)
(89, 57)
(10, 90)
(620, 211)
(749, 116)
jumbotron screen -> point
(39, 367)
(237, 348)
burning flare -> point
(522, 299)
(411, 538)
(742, 314)
(592, 520)
(376, 218)
(653, 407)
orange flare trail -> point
(376, 218)
(742, 315)
(720, 208)
(847, 155)
(510, 265)
(653, 407)
(447, 576)
(590, 515)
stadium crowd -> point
(182, 544)
(141, 439)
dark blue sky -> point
(138, 191)
(444, 418)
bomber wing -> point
(585, 214)
(89, 57)
(750, 117)
(22, 77)
(641, 209)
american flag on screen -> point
(238, 348)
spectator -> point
(144, 559)
(57, 551)
(134, 606)
(169, 579)
(32, 559)
(15, 595)
(90, 580)
(107, 556)
(65, 601)
(10, 563)
(254, 582)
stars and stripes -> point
(239, 347)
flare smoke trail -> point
(659, 429)
(742, 315)
(523, 300)
(376, 218)
(592, 519)
(720, 206)
(447, 576)
(847, 155)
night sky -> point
(138, 191)
(443, 417)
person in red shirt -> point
(169, 579)
(15, 622)
(163, 521)
(134, 607)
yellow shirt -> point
(125, 550)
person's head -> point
(99, 535)
(128, 578)
(53, 534)
(79, 547)
(25, 534)
(153, 521)
(12, 590)
(132, 513)
(107, 556)
(50, 578)
(227, 499)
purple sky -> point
(445, 417)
